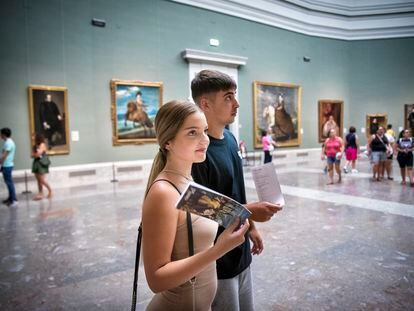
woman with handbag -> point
(405, 147)
(178, 248)
(40, 166)
(379, 148)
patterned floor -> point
(347, 246)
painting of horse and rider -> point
(276, 108)
(134, 106)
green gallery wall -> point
(52, 42)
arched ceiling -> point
(339, 19)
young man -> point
(214, 92)
(6, 162)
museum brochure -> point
(267, 184)
(206, 202)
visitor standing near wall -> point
(378, 145)
(333, 148)
(268, 145)
(7, 164)
(40, 166)
(405, 145)
(390, 154)
(351, 150)
(222, 171)
(180, 280)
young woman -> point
(39, 167)
(405, 145)
(181, 130)
(333, 148)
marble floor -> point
(347, 246)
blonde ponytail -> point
(157, 166)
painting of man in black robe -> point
(49, 118)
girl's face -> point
(406, 134)
(332, 133)
(191, 142)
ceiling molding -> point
(352, 8)
(213, 58)
(335, 20)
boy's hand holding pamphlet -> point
(206, 202)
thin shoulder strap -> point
(170, 182)
(138, 251)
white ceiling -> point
(339, 19)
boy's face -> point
(222, 106)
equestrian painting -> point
(134, 106)
(276, 107)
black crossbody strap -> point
(138, 251)
(135, 284)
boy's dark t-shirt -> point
(222, 171)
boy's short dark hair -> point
(6, 132)
(210, 81)
(389, 126)
(352, 129)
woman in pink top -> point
(268, 145)
(333, 148)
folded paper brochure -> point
(205, 202)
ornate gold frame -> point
(407, 110)
(63, 149)
(340, 119)
(257, 123)
(383, 122)
(116, 140)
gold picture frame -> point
(48, 116)
(134, 105)
(330, 115)
(382, 120)
(277, 106)
(408, 108)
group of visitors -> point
(381, 148)
(40, 166)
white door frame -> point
(200, 60)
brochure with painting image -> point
(206, 202)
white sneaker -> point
(354, 171)
(14, 204)
(345, 170)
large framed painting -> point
(276, 108)
(134, 106)
(409, 117)
(373, 121)
(48, 113)
(330, 116)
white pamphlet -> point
(267, 184)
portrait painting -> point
(330, 116)
(134, 106)
(374, 121)
(276, 110)
(48, 117)
(409, 117)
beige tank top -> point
(181, 297)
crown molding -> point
(285, 15)
(214, 58)
(352, 8)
